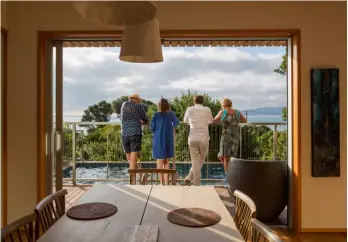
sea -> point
(265, 119)
(251, 119)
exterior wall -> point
(323, 28)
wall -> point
(3, 14)
(323, 27)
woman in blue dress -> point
(162, 125)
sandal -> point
(187, 183)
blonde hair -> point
(226, 102)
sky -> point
(243, 74)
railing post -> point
(74, 154)
(275, 142)
(240, 141)
(107, 155)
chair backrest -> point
(151, 176)
(23, 229)
(50, 209)
(262, 233)
(245, 211)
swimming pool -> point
(92, 172)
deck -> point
(74, 192)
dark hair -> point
(163, 105)
(198, 99)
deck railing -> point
(99, 143)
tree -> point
(117, 104)
(283, 70)
(100, 112)
(180, 104)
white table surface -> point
(157, 201)
(164, 199)
(130, 201)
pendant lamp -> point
(116, 12)
(142, 43)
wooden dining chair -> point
(151, 176)
(23, 229)
(262, 233)
(245, 211)
(50, 209)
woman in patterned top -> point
(229, 119)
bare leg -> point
(225, 161)
(128, 157)
(166, 166)
(160, 163)
(133, 162)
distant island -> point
(264, 111)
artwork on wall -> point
(325, 123)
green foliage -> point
(103, 143)
(181, 103)
(265, 145)
(67, 142)
(285, 114)
(251, 146)
(100, 112)
(283, 68)
(116, 104)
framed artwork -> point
(325, 122)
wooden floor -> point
(74, 192)
(285, 233)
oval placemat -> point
(90, 211)
(193, 217)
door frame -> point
(4, 35)
(295, 65)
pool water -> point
(120, 171)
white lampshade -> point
(141, 43)
(116, 12)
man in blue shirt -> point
(133, 115)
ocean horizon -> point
(251, 118)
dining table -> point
(147, 206)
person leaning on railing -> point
(198, 117)
(229, 142)
(133, 115)
(162, 125)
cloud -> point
(243, 74)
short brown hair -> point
(163, 105)
(198, 99)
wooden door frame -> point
(294, 34)
(4, 130)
